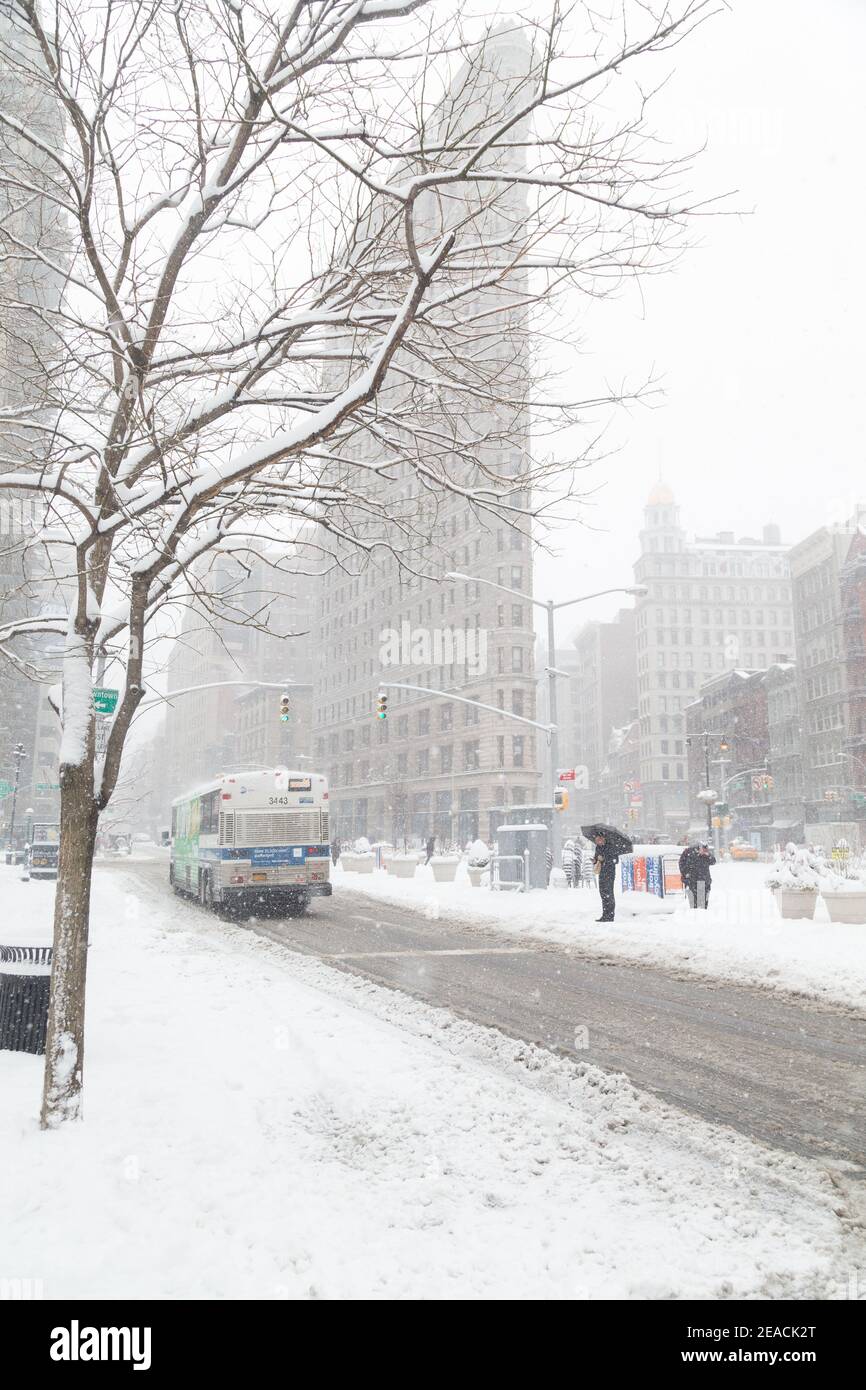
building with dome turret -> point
(714, 604)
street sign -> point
(104, 701)
(6, 789)
(566, 774)
(48, 786)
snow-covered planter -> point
(477, 862)
(797, 903)
(357, 863)
(444, 867)
(403, 865)
(846, 904)
(796, 878)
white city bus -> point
(253, 838)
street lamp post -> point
(706, 735)
(551, 609)
(19, 754)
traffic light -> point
(285, 709)
(560, 799)
(382, 705)
(724, 745)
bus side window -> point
(173, 822)
(210, 813)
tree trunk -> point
(64, 1049)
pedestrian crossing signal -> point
(382, 705)
(560, 799)
(285, 709)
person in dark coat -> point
(429, 847)
(604, 862)
(335, 851)
(695, 864)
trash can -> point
(25, 987)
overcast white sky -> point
(759, 332)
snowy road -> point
(787, 1072)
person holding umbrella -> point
(609, 845)
(695, 864)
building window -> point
(517, 746)
(471, 755)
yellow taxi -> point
(740, 849)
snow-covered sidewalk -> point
(258, 1125)
(740, 937)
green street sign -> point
(48, 786)
(6, 789)
(104, 701)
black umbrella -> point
(618, 842)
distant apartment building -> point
(600, 696)
(437, 765)
(433, 766)
(714, 604)
(786, 753)
(256, 627)
(619, 800)
(728, 740)
(854, 642)
(826, 572)
(29, 293)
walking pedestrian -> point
(429, 848)
(568, 863)
(604, 862)
(335, 851)
(696, 862)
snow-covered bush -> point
(478, 856)
(362, 845)
(802, 869)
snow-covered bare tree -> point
(300, 244)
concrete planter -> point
(444, 870)
(357, 863)
(402, 865)
(476, 874)
(846, 907)
(797, 903)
